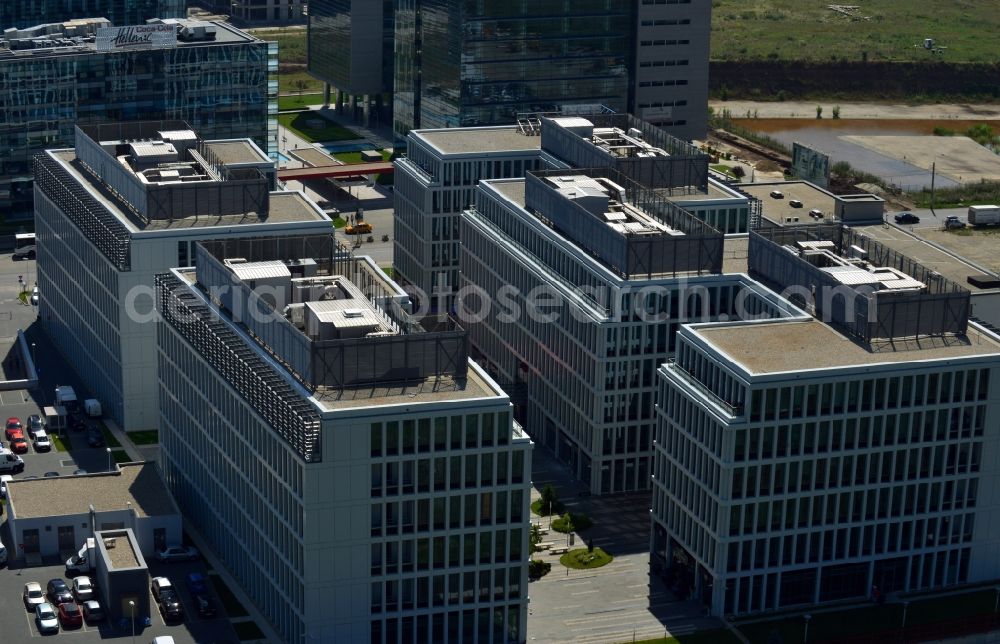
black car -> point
(76, 422)
(94, 437)
(58, 592)
(170, 606)
(204, 604)
(907, 218)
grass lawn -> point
(314, 127)
(120, 456)
(109, 438)
(720, 636)
(59, 443)
(536, 507)
(873, 619)
(248, 631)
(339, 222)
(583, 559)
(299, 102)
(23, 296)
(796, 30)
(297, 81)
(145, 437)
(232, 605)
(969, 194)
(291, 43)
(388, 270)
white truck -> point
(93, 407)
(66, 396)
(82, 562)
(10, 463)
(984, 215)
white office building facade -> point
(394, 513)
(97, 259)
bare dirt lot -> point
(957, 157)
(807, 109)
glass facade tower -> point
(482, 61)
(220, 87)
(119, 12)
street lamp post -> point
(33, 358)
(906, 605)
(131, 608)
(108, 449)
(805, 636)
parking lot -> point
(19, 624)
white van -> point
(3, 554)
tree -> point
(536, 537)
(738, 171)
(300, 85)
(550, 501)
(819, 112)
(590, 544)
(836, 111)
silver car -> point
(46, 618)
(33, 595)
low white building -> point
(51, 517)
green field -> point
(314, 127)
(291, 43)
(809, 30)
(299, 102)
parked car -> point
(794, 203)
(197, 583)
(33, 595)
(361, 228)
(92, 611)
(907, 218)
(19, 445)
(82, 588)
(76, 422)
(34, 296)
(50, 475)
(45, 618)
(14, 428)
(70, 615)
(953, 222)
(816, 213)
(80, 472)
(95, 438)
(777, 194)
(158, 585)
(170, 606)
(35, 423)
(177, 553)
(58, 591)
(204, 605)
(42, 441)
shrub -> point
(572, 522)
(584, 558)
(538, 569)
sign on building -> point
(136, 37)
(810, 165)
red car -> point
(19, 445)
(70, 615)
(14, 425)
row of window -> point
(664, 22)
(444, 473)
(471, 625)
(831, 436)
(664, 63)
(663, 83)
(419, 515)
(663, 42)
(467, 432)
(452, 551)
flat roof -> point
(468, 140)
(283, 206)
(735, 254)
(714, 192)
(136, 483)
(232, 152)
(121, 553)
(979, 246)
(800, 345)
(433, 389)
(313, 157)
(513, 190)
(778, 210)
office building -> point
(433, 184)
(436, 180)
(365, 481)
(616, 268)
(120, 12)
(266, 11)
(54, 76)
(351, 50)
(127, 202)
(816, 458)
(670, 75)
